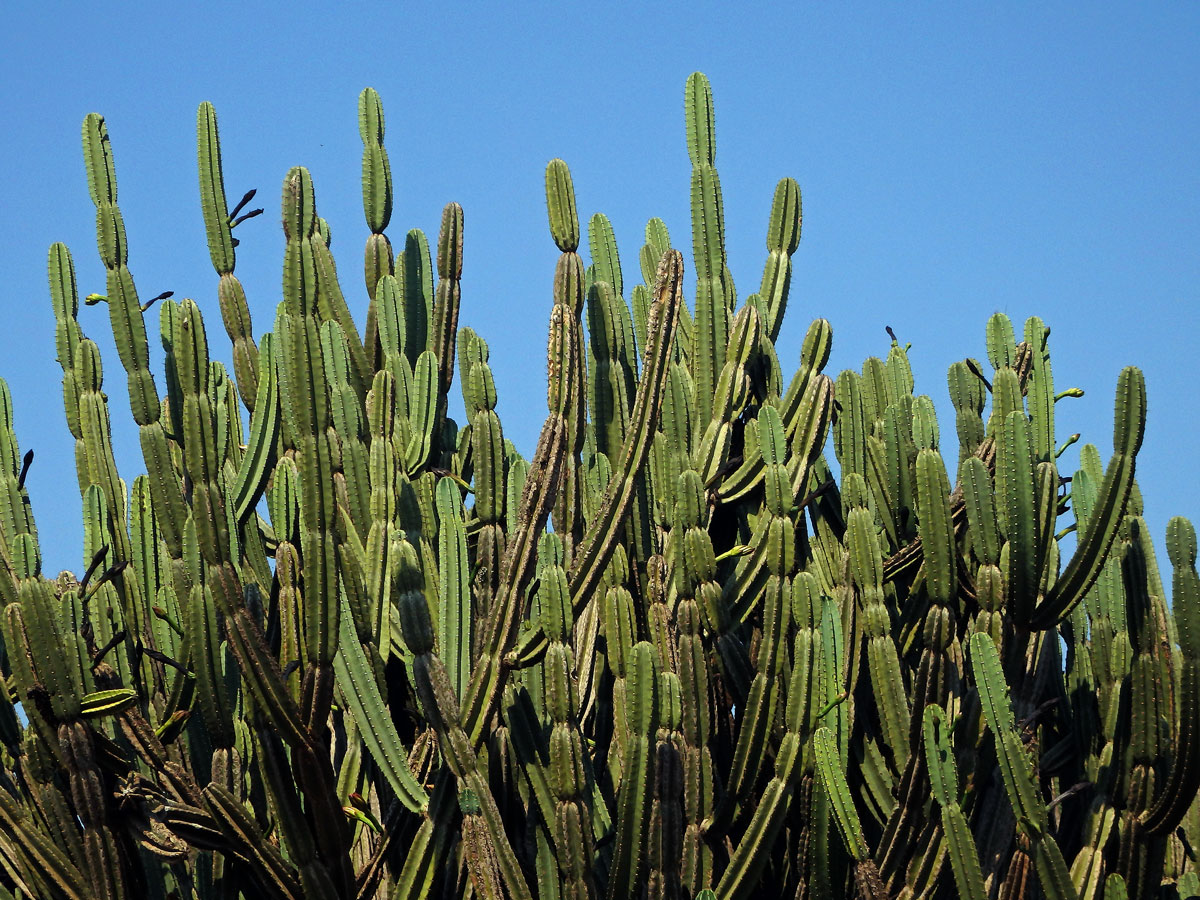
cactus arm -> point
(740, 878)
(431, 843)
(1040, 390)
(331, 306)
(37, 854)
(814, 355)
(129, 331)
(441, 708)
(545, 471)
(943, 777)
(445, 307)
(620, 630)
(199, 439)
(593, 555)
(714, 292)
(348, 421)
(633, 804)
(693, 572)
(487, 454)
(1014, 764)
(357, 680)
(760, 708)
(414, 274)
(1052, 871)
(218, 227)
(866, 566)
(64, 295)
(212, 190)
(1183, 781)
(590, 559)
(612, 377)
(750, 857)
(830, 766)
(532, 751)
(454, 611)
(17, 529)
(1087, 869)
(749, 755)
(423, 411)
(658, 241)
(733, 392)
(967, 395)
(263, 679)
(783, 237)
(378, 258)
(850, 431)
(984, 532)
(200, 622)
(273, 874)
(1019, 783)
(1115, 888)
(1088, 559)
(672, 448)
(259, 459)
(376, 194)
(309, 417)
(666, 814)
(1015, 490)
(811, 432)
(937, 530)
(1001, 341)
(569, 293)
(615, 363)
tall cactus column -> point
(714, 285)
(307, 415)
(378, 259)
(568, 302)
(221, 243)
(129, 334)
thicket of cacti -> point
(357, 649)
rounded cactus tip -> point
(698, 114)
(1129, 422)
(560, 206)
(299, 205)
(783, 231)
(1181, 543)
(370, 116)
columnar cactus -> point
(352, 648)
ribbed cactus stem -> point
(714, 288)
(567, 375)
(441, 707)
(730, 668)
(783, 237)
(218, 226)
(1081, 572)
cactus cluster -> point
(339, 645)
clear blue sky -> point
(954, 159)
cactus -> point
(219, 224)
(346, 653)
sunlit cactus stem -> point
(348, 646)
(218, 224)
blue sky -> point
(954, 160)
